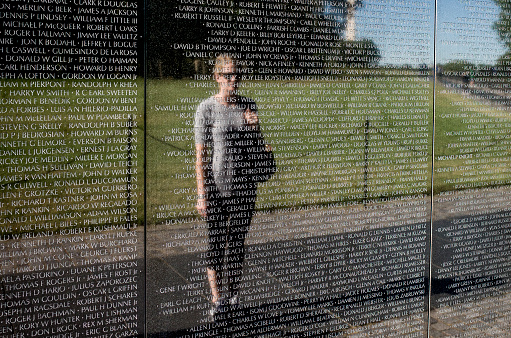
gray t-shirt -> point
(222, 130)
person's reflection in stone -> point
(226, 126)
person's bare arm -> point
(200, 171)
(251, 118)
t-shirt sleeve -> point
(201, 124)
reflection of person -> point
(226, 126)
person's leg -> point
(217, 238)
(213, 284)
(239, 224)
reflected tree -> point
(166, 30)
(503, 28)
(177, 32)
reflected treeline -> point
(503, 28)
(485, 74)
(275, 38)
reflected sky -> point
(404, 33)
(465, 32)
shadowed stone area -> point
(311, 272)
(316, 272)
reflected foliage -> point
(165, 30)
(503, 28)
(362, 52)
(177, 33)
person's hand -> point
(251, 117)
(201, 206)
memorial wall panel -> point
(199, 168)
(71, 184)
(339, 236)
(470, 276)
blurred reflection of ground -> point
(353, 223)
(387, 298)
(331, 271)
